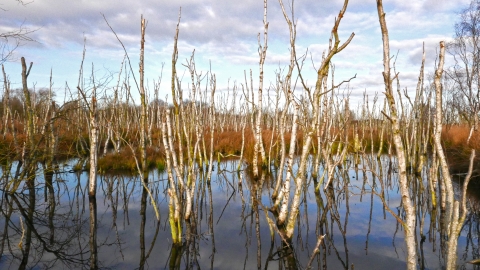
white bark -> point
(314, 125)
(262, 51)
(409, 225)
(284, 195)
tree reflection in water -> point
(35, 235)
(46, 224)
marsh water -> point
(229, 229)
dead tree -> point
(409, 224)
(288, 213)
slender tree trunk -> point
(438, 133)
(258, 124)
(92, 177)
(409, 225)
(6, 102)
(143, 100)
(28, 104)
(323, 72)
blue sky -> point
(223, 33)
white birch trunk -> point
(409, 225)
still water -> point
(229, 229)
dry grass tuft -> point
(124, 162)
(454, 139)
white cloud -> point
(225, 32)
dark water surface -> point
(227, 226)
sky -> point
(223, 34)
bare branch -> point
(125, 50)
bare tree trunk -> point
(174, 205)
(211, 110)
(284, 196)
(409, 225)
(323, 71)
(438, 133)
(92, 176)
(258, 108)
(143, 100)
(6, 102)
(454, 217)
(28, 105)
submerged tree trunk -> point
(409, 224)
(92, 176)
(311, 127)
(438, 133)
(262, 51)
